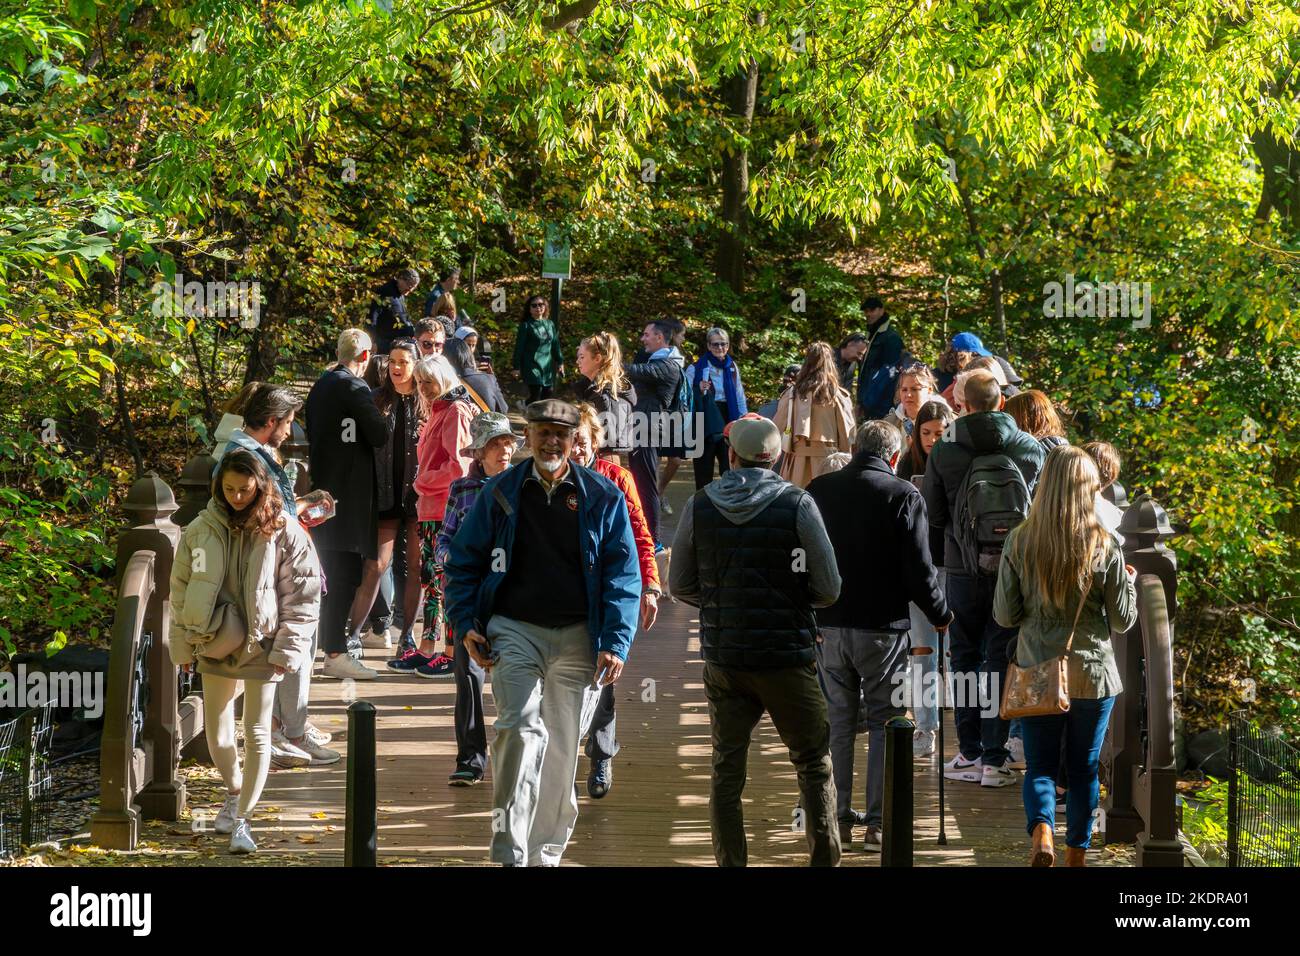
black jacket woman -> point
(404, 410)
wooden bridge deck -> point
(655, 815)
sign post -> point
(557, 262)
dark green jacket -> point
(537, 351)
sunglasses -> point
(536, 305)
(719, 345)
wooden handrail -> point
(116, 825)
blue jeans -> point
(1084, 728)
(979, 658)
(925, 668)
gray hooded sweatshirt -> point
(739, 495)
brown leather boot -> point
(1075, 856)
(1042, 854)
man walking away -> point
(878, 526)
(884, 355)
(656, 381)
(388, 319)
(344, 427)
(977, 488)
(752, 554)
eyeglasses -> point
(431, 345)
(715, 344)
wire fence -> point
(1263, 797)
(26, 779)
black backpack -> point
(992, 499)
(619, 432)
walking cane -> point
(943, 700)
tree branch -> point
(569, 13)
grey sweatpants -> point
(537, 684)
(861, 668)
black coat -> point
(980, 433)
(387, 318)
(343, 430)
(878, 526)
(656, 383)
(583, 389)
(488, 389)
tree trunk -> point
(739, 94)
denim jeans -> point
(924, 677)
(1084, 728)
(979, 656)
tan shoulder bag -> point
(1043, 689)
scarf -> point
(728, 368)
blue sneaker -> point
(659, 549)
(409, 661)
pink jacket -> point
(445, 433)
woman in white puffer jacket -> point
(245, 598)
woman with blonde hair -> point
(604, 385)
(1063, 581)
(916, 386)
(815, 416)
(442, 460)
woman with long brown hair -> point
(815, 416)
(404, 410)
(1064, 583)
(245, 599)
(1034, 413)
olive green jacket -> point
(1110, 605)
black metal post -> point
(1234, 793)
(896, 848)
(360, 846)
(555, 302)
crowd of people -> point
(877, 518)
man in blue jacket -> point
(879, 373)
(541, 616)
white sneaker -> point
(1017, 748)
(241, 839)
(317, 736)
(320, 756)
(923, 743)
(666, 508)
(343, 667)
(226, 816)
(998, 777)
(285, 754)
(375, 641)
(959, 768)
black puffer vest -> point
(755, 609)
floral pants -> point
(431, 579)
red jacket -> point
(444, 434)
(645, 545)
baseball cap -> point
(969, 342)
(755, 439)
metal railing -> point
(1263, 797)
(26, 782)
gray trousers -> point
(537, 683)
(292, 694)
(861, 668)
(602, 743)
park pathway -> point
(656, 814)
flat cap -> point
(554, 411)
